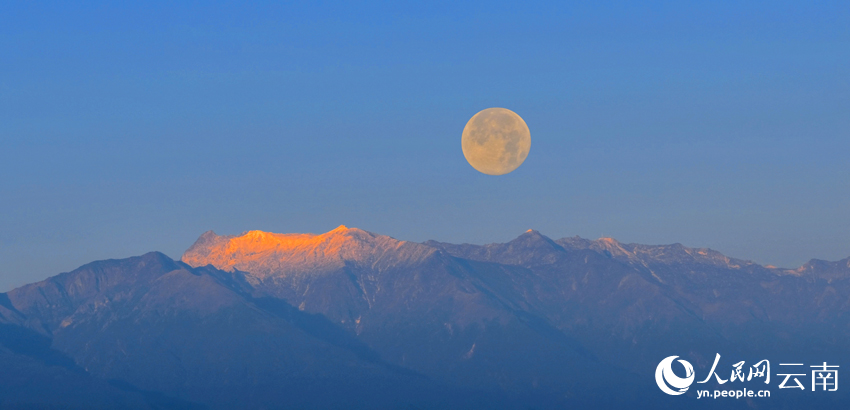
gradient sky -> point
(131, 128)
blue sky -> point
(126, 128)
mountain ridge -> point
(252, 319)
(615, 247)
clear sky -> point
(127, 128)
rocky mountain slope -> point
(354, 319)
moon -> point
(496, 141)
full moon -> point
(495, 141)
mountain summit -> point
(265, 254)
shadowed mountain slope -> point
(355, 319)
(455, 320)
(192, 334)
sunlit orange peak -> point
(265, 253)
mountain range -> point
(352, 319)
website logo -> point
(794, 376)
(668, 381)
